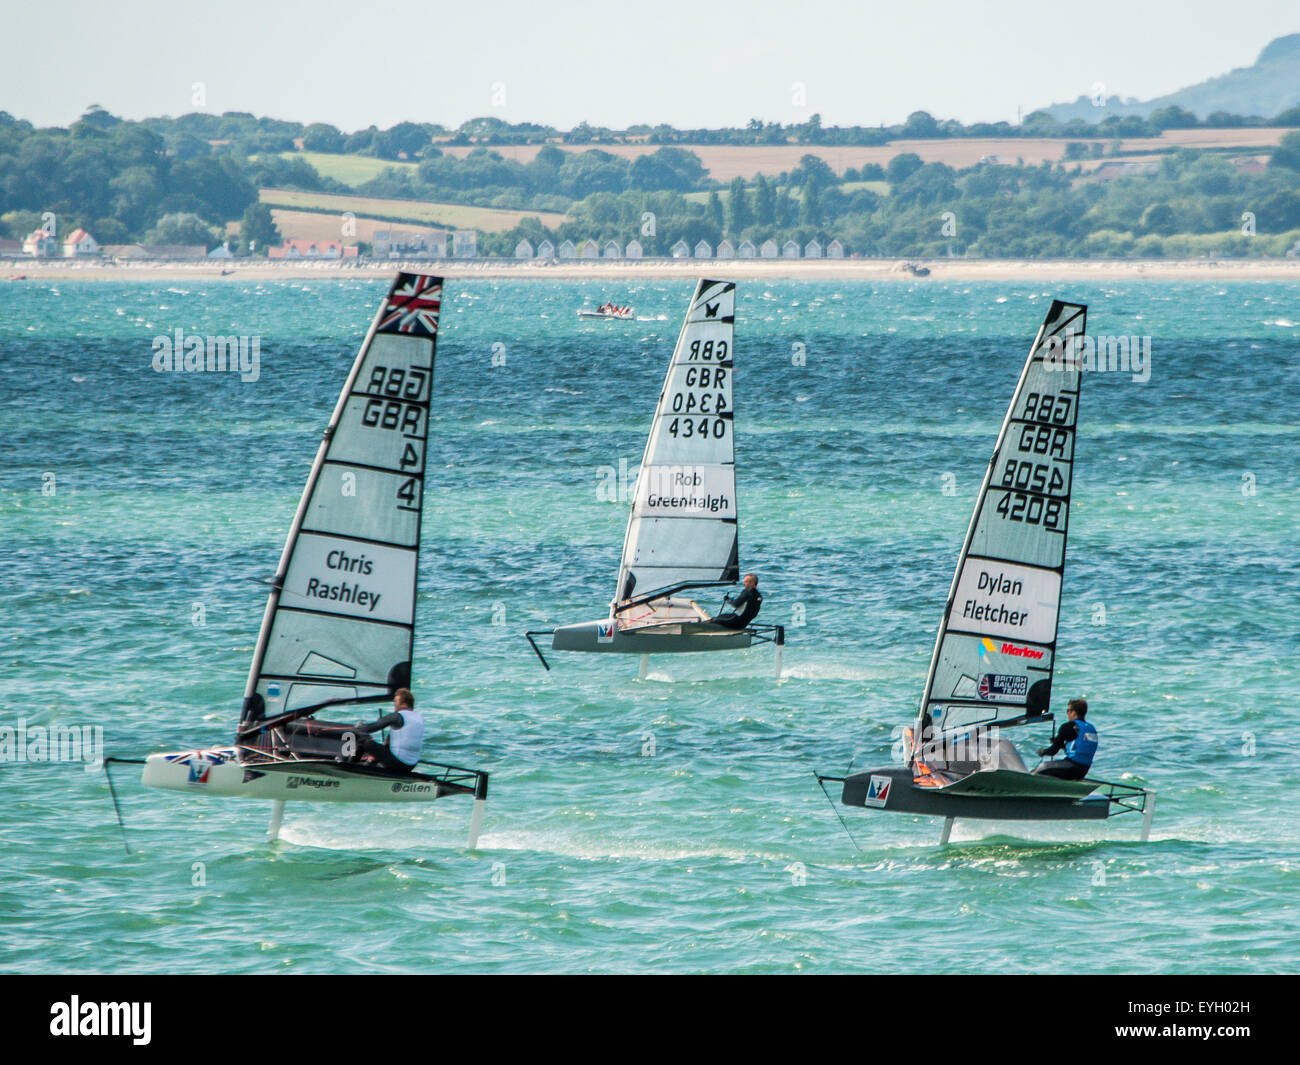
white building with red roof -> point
(79, 242)
(41, 244)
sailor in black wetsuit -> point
(1079, 740)
(744, 606)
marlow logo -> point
(987, 645)
(102, 1018)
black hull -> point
(993, 798)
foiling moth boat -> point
(339, 626)
(991, 670)
(683, 533)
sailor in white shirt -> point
(405, 736)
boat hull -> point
(219, 774)
(671, 638)
(994, 795)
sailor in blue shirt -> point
(1079, 740)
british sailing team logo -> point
(413, 306)
(605, 631)
(1002, 686)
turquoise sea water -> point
(670, 824)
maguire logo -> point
(878, 791)
(102, 1018)
(309, 782)
(993, 685)
(1021, 652)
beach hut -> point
(79, 242)
(41, 244)
(769, 250)
(835, 250)
(524, 249)
(789, 250)
(681, 250)
(307, 249)
(612, 250)
(634, 249)
(726, 250)
(464, 244)
(747, 249)
(812, 250)
(568, 250)
(703, 250)
(589, 250)
(546, 250)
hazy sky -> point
(562, 61)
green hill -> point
(1266, 88)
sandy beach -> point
(15, 271)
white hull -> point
(218, 774)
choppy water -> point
(172, 494)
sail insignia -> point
(995, 652)
(340, 620)
(683, 528)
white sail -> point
(994, 656)
(340, 619)
(683, 528)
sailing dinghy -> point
(684, 531)
(993, 661)
(339, 625)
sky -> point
(560, 62)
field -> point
(725, 162)
(349, 169)
(321, 225)
(414, 212)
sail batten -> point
(340, 620)
(683, 530)
(995, 651)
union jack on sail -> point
(412, 306)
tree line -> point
(185, 180)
